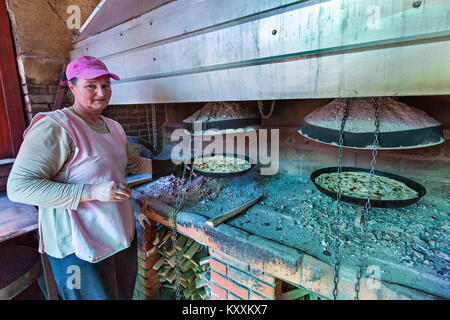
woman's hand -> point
(107, 191)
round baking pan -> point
(224, 124)
(223, 174)
(374, 203)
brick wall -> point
(42, 42)
(41, 98)
(147, 281)
(136, 120)
(232, 279)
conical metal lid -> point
(400, 126)
(223, 116)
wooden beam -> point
(50, 283)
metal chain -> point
(260, 107)
(261, 112)
(148, 127)
(154, 125)
(366, 210)
(178, 203)
(338, 199)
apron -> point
(98, 229)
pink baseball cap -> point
(86, 67)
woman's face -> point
(92, 95)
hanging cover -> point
(223, 115)
(401, 126)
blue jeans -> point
(110, 279)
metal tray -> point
(224, 124)
(374, 203)
(224, 174)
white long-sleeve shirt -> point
(35, 178)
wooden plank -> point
(204, 261)
(203, 294)
(183, 282)
(189, 242)
(171, 261)
(170, 286)
(187, 293)
(164, 271)
(200, 282)
(190, 274)
(181, 241)
(159, 263)
(203, 275)
(293, 294)
(171, 252)
(164, 240)
(186, 265)
(16, 287)
(191, 285)
(151, 251)
(49, 279)
(159, 236)
(7, 161)
(170, 276)
(16, 218)
(195, 263)
(195, 295)
(192, 250)
(181, 252)
(230, 214)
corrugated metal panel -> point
(219, 50)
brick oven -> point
(282, 60)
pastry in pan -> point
(221, 164)
(356, 184)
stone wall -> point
(43, 42)
(232, 279)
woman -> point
(72, 165)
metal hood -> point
(231, 50)
(111, 13)
(400, 126)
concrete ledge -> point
(280, 261)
